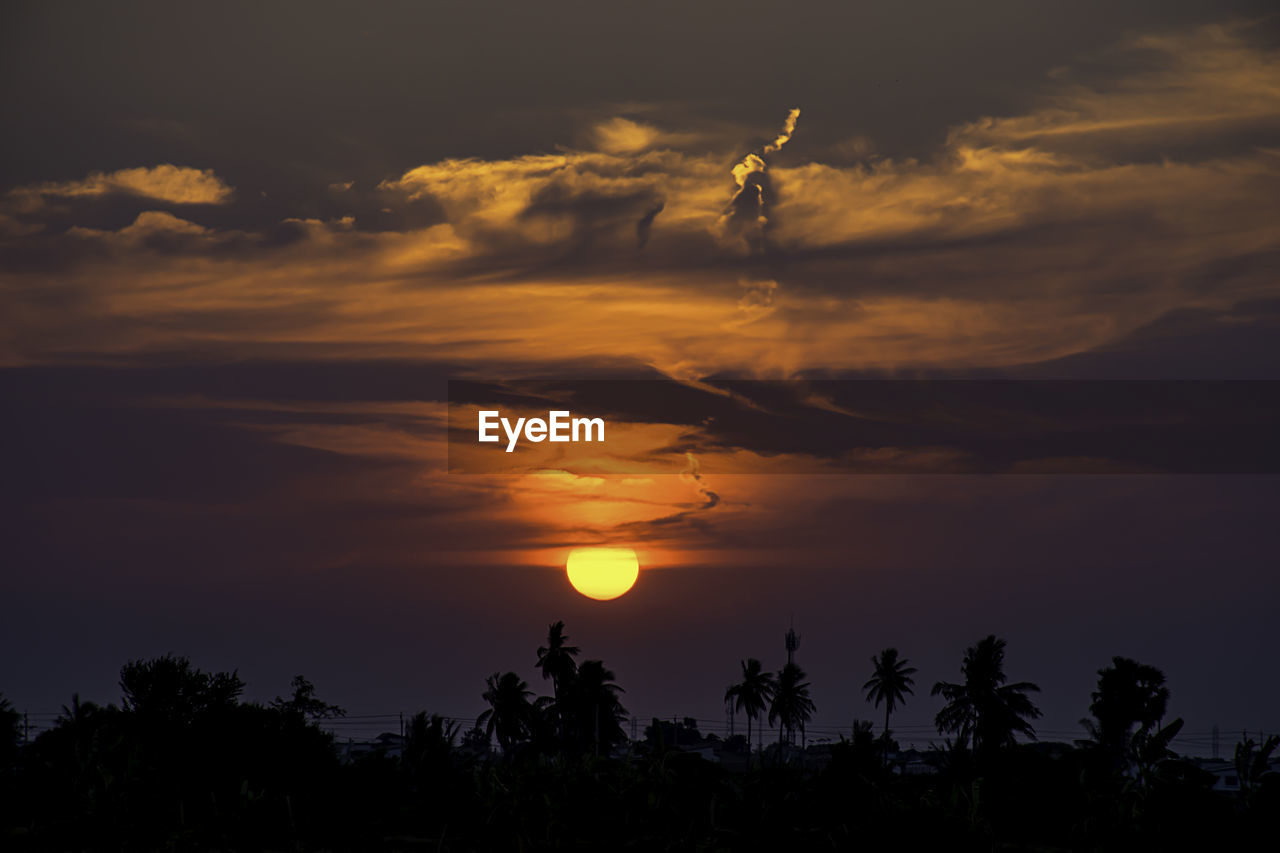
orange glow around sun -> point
(603, 573)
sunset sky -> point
(244, 247)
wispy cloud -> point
(166, 182)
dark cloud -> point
(1242, 342)
(645, 223)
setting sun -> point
(602, 573)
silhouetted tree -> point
(890, 683)
(1129, 694)
(429, 740)
(1150, 747)
(510, 713)
(304, 703)
(753, 694)
(591, 710)
(983, 710)
(791, 707)
(78, 724)
(10, 732)
(1253, 763)
(168, 688)
(184, 727)
(556, 661)
(476, 742)
(857, 754)
(81, 759)
(861, 733)
(184, 757)
(556, 658)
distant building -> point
(386, 744)
(913, 762)
(1226, 780)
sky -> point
(243, 249)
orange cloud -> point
(166, 182)
(1025, 238)
(1207, 81)
(620, 135)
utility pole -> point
(793, 643)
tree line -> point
(183, 762)
(982, 711)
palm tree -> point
(984, 710)
(590, 707)
(791, 707)
(429, 741)
(510, 712)
(752, 694)
(555, 659)
(889, 683)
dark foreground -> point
(183, 764)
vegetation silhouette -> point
(556, 658)
(983, 711)
(184, 763)
(511, 716)
(753, 694)
(1253, 765)
(556, 662)
(890, 683)
(791, 707)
